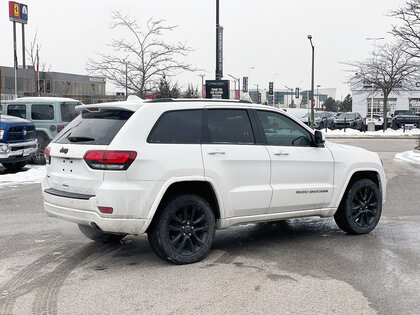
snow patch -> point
(409, 156)
(30, 174)
(379, 133)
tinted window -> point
(17, 110)
(183, 126)
(281, 130)
(229, 126)
(68, 111)
(94, 127)
(42, 112)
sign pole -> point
(15, 56)
(23, 46)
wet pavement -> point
(294, 266)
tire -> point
(395, 126)
(333, 126)
(39, 158)
(15, 166)
(360, 209)
(99, 236)
(183, 233)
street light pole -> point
(312, 82)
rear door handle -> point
(213, 152)
(281, 153)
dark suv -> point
(349, 120)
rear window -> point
(182, 126)
(68, 111)
(98, 128)
(42, 112)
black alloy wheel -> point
(365, 207)
(184, 231)
(360, 209)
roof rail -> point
(167, 100)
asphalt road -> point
(294, 266)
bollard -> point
(403, 124)
(345, 122)
(326, 124)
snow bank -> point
(379, 133)
(409, 156)
(30, 174)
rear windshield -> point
(98, 128)
(404, 112)
(68, 111)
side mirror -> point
(319, 138)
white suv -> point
(180, 169)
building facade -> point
(81, 87)
(362, 101)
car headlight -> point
(1, 134)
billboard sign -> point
(18, 12)
(217, 89)
(219, 53)
(245, 84)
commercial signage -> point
(270, 88)
(18, 12)
(219, 53)
(297, 93)
(217, 89)
(245, 84)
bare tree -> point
(387, 70)
(409, 31)
(31, 52)
(139, 63)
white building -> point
(362, 101)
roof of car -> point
(42, 99)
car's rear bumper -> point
(86, 212)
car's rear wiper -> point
(80, 139)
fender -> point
(382, 184)
(158, 198)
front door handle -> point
(213, 152)
(281, 153)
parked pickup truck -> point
(407, 117)
(17, 142)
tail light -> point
(60, 127)
(379, 118)
(47, 154)
(110, 160)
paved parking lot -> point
(294, 266)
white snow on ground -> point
(30, 174)
(409, 156)
(379, 133)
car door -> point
(301, 174)
(235, 163)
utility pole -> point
(312, 82)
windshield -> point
(317, 115)
(97, 128)
(404, 112)
(348, 116)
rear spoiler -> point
(132, 104)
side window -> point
(42, 112)
(17, 110)
(182, 126)
(282, 131)
(230, 126)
